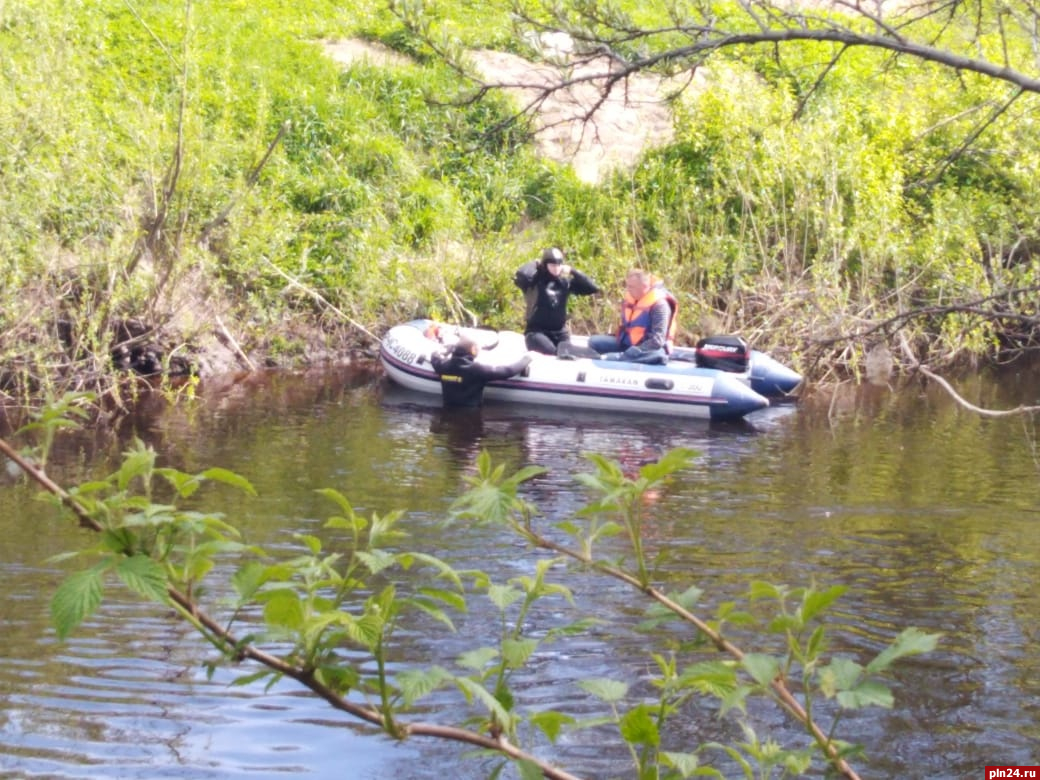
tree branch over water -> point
(961, 401)
(624, 48)
(314, 605)
(241, 649)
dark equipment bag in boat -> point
(726, 353)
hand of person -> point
(633, 352)
(565, 270)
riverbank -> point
(301, 196)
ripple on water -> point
(928, 529)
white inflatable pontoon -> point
(680, 388)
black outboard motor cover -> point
(726, 353)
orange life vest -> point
(635, 316)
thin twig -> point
(251, 181)
(234, 345)
(294, 282)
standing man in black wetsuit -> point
(546, 284)
(463, 378)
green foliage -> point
(352, 586)
(148, 546)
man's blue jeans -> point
(611, 349)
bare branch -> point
(973, 136)
(251, 181)
(1020, 409)
(968, 307)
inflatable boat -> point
(721, 379)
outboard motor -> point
(726, 353)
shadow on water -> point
(927, 513)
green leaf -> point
(416, 683)
(684, 763)
(248, 679)
(143, 576)
(815, 602)
(515, 652)
(435, 612)
(867, 694)
(639, 728)
(717, 678)
(764, 590)
(688, 598)
(668, 464)
(569, 527)
(739, 617)
(841, 675)
(448, 597)
(912, 641)
(443, 569)
(284, 609)
(782, 624)
(312, 543)
(474, 691)
(503, 595)
(477, 659)
(383, 531)
(817, 643)
(367, 630)
(609, 528)
(551, 723)
(353, 523)
(229, 478)
(376, 561)
(735, 699)
(75, 600)
(486, 504)
(339, 499)
(797, 763)
(762, 668)
(503, 695)
(88, 488)
(184, 484)
(604, 689)
(582, 626)
(342, 679)
(529, 770)
(136, 463)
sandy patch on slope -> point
(632, 117)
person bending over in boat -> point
(648, 322)
(463, 377)
(546, 284)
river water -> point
(930, 514)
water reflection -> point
(927, 513)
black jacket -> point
(546, 295)
(463, 379)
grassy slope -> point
(382, 206)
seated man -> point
(463, 378)
(648, 322)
